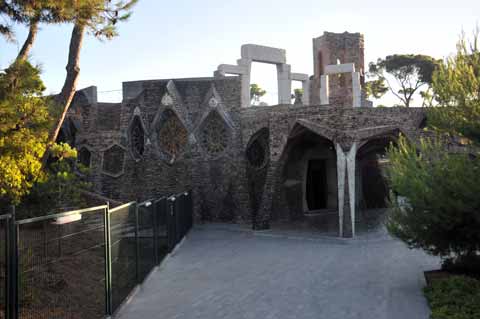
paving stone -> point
(229, 272)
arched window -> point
(172, 135)
(137, 138)
(257, 152)
(215, 134)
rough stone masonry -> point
(263, 165)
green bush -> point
(442, 215)
(456, 297)
(434, 181)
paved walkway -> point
(226, 272)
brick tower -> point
(337, 48)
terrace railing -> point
(85, 263)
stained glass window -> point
(172, 135)
(137, 138)
(215, 134)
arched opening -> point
(257, 155)
(372, 189)
(308, 180)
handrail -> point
(173, 197)
(146, 203)
(72, 212)
(5, 216)
(113, 210)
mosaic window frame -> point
(172, 135)
(137, 138)
(215, 135)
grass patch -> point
(456, 297)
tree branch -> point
(28, 44)
(65, 97)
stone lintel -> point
(339, 68)
(232, 69)
(260, 53)
(299, 77)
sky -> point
(190, 38)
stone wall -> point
(342, 126)
(190, 133)
(171, 135)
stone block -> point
(339, 68)
(260, 53)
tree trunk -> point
(28, 44)
(65, 97)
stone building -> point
(316, 162)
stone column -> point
(340, 186)
(356, 89)
(324, 92)
(284, 84)
(351, 158)
(245, 78)
(346, 190)
(306, 92)
(261, 220)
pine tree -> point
(442, 210)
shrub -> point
(456, 297)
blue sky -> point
(189, 38)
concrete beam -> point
(260, 53)
(324, 91)
(232, 69)
(299, 77)
(339, 68)
(340, 186)
(306, 92)
(350, 159)
(284, 84)
(356, 89)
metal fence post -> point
(155, 205)
(137, 245)
(190, 206)
(12, 292)
(8, 257)
(108, 261)
(171, 231)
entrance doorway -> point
(374, 185)
(317, 184)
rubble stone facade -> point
(248, 164)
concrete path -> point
(227, 272)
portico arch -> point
(307, 179)
(372, 190)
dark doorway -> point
(317, 184)
(375, 190)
